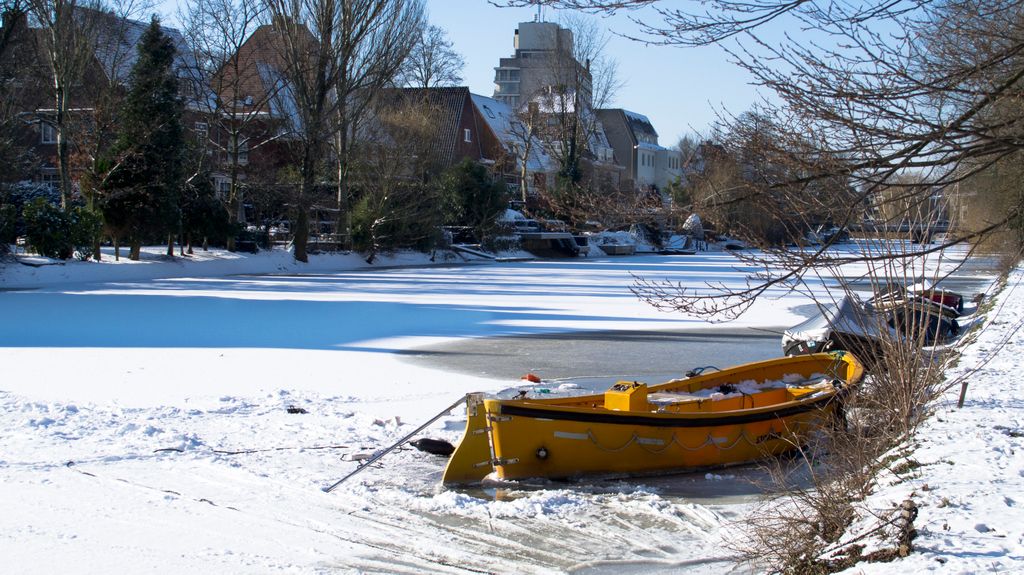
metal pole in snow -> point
(395, 446)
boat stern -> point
(471, 461)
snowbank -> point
(966, 474)
(154, 264)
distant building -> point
(457, 135)
(635, 141)
(544, 80)
(506, 141)
(105, 79)
(543, 61)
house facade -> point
(89, 126)
(457, 133)
(647, 164)
(515, 154)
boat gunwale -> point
(706, 380)
(665, 419)
(574, 408)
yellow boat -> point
(736, 415)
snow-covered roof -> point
(502, 121)
(282, 103)
(651, 147)
(117, 41)
(633, 116)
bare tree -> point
(399, 201)
(433, 61)
(375, 40)
(69, 30)
(237, 105)
(526, 150)
(16, 49)
(562, 86)
(578, 80)
(333, 53)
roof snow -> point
(510, 131)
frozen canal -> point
(596, 360)
(189, 423)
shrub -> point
(56, 233)
(470, 197)
(8, 227)
(86, 226)
(48, 229)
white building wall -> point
(646, 158)
(669, 167)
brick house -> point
(93, 102)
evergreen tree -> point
(471, 197)
(203, 215)
(143, 185)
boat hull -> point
(632, 430)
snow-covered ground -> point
(967, 466)
(173, 416)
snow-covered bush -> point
(57, 233)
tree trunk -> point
(234, 198)
(170, 245)
(344, 224)
(63, 154)
(300, 232)
(135, 253)
(524, 185)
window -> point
(223, 188)
(186, 88)
(202, 130)
(467, 135)
(50, 178)
(243, 152)
(48, 133)
(507, 75)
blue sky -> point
(679, 89)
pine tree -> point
(143, 185)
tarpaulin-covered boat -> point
(731, 416)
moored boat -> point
(736, 415)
